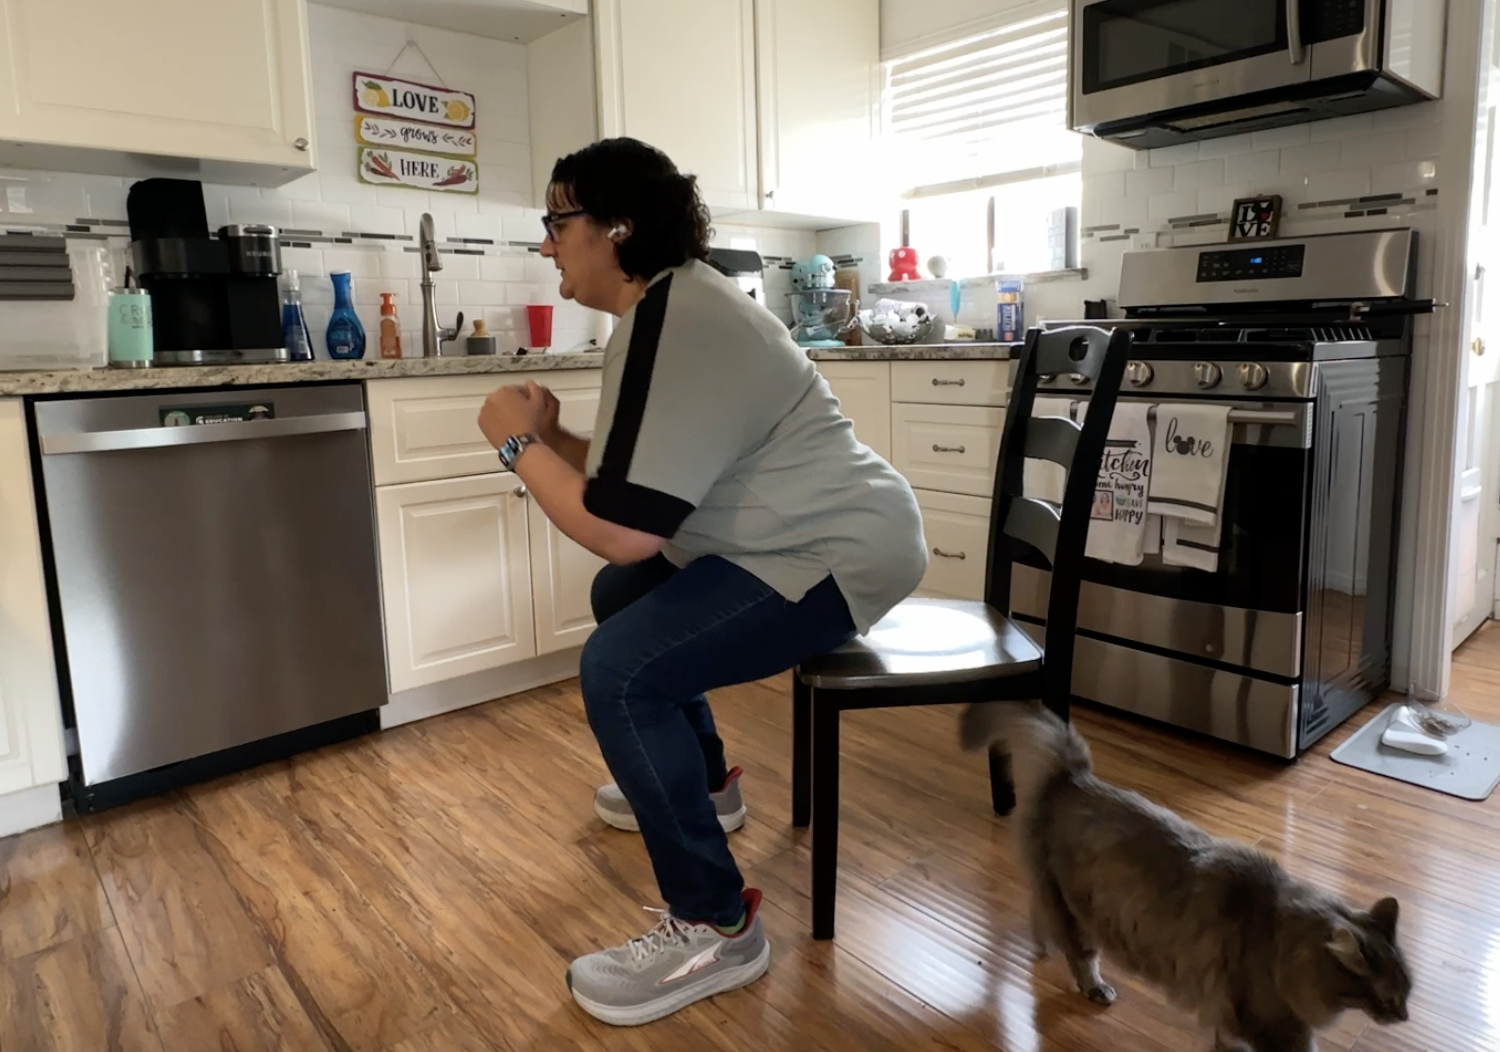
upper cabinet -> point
(680, 75)
(769, 103)
(139, 88)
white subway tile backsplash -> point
(1334, 186)
(307, 262)
(1196, 175)
(1105, 186)
(1260, 171)
(1279, 138)
(520, 295)
(360, 263)
(1424, 141)
(458, 267)
(484, 293)
(1099, 156)
(401, 264)
(1298, 162)
(525, 228)
(1174, 206)
(307, 188)
(1219, 200)
(1341, 128)
(1366, 151)
(374, 219)
(502, 268)
(477, 226)
(1228, 146)
(1148, 182)
(320, 215)
(1171, 156)
(1403, 176)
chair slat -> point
(1079, 349)
(1036, 523)
(1052, 438)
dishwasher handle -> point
(199, 434)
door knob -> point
(519, 491)
(1477, 346)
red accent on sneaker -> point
(734, 772)
(752, 897)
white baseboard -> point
(30, 809)
(425, 702)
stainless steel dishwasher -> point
(216, 578)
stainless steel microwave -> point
(1151, 73)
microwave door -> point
(1134, 58)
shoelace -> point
(669, 931)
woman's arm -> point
(574, 449)
(558, 485)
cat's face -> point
(1373, 976)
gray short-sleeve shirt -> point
(716, 432)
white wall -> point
(903, 22)
(489, 273)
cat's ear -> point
(1383, 917)
(1344, 945)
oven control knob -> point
(1253, 376)
(1207, 374)
(1139, 374)
(1047, 379)
(1078, 378)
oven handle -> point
(1294, 32)
(1269, 417)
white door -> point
(680, 75)
(864, 393)
(227, 80)
(1476, 520)
(455, 569)
(819, 92)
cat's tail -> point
(1041, 746)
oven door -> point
(1132, 59)
(1249, 614)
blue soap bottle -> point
(346, 336)
(295, 337)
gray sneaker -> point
(669, 968)
(610, 805)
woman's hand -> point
(550, 427)
(516, 410)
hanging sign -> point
(409, 135)
(384, 96)
(423, 171)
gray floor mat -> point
(1470, 769)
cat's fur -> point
(1264, 959)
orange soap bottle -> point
(390, 327)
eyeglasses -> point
(552, 217)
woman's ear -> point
(619, 232)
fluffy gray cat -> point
(1225, 932)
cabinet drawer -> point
(427, 427)
(952, 449)
(951, 383)
(958, 537)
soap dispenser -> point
(346, 335)
(481, 342)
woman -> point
(747, 530)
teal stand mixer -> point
(821, 313)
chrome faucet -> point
(433, 335)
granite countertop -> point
(70, 381)
(914, 352)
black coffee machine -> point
(214, 300)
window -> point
(976, 135)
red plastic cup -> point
(539, 317)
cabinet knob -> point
(301, 144)
(519, 491)
(770, 195)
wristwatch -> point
(511, 448)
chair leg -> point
(1002, 789)
(825, 802)
(802, 748)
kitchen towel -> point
(1187, 483)
(1117, 530)
(1044, 480)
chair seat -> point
(927, 641)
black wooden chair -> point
(945, 651)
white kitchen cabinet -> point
(818, 92)
(949, 448)
(680, 75)
(31, 741)
(131, 89)
(957, 529)
(455, 569)
(562, 578)
(864, 393)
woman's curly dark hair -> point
(626, 181)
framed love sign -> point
(421, 171)
(1255, 218)
(383, 96)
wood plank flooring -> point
(422, 890)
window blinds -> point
(984, 109)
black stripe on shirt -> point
(610, 495)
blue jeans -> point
(665, 637)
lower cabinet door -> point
(562, 576)
(456, 576)
(957, 529)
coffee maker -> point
(743, 267)
(214, 299)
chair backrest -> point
(1059, 534)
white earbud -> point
(618, 232)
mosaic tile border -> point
(1406, 203)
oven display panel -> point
(1284, 261)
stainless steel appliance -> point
(1309, 342)
(1150, 73)
(742, 266)
(215, 568)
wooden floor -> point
(423, 890)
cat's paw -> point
(1101, 994)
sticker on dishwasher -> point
(186, 416)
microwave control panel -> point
(1283, 261)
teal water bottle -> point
(345, 336)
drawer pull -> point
(949, 555)
(946, 383)
(947, 449)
